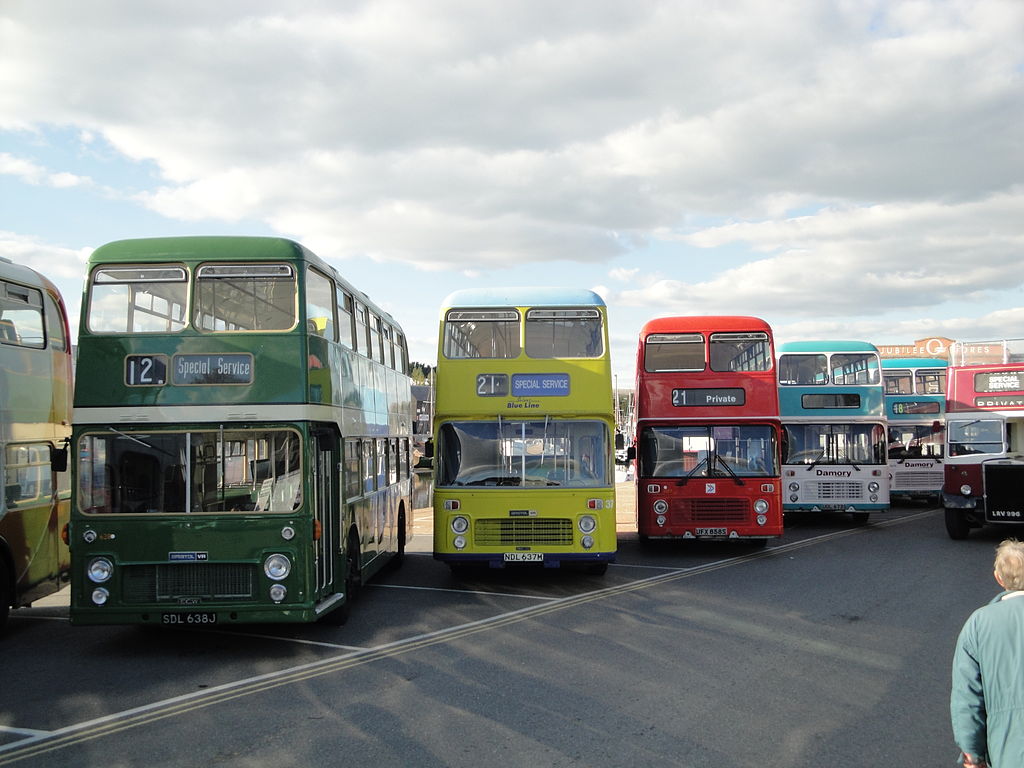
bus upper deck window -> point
(740, 352)
(803, 370)
(320, 306)
(855, 368)
(245, 297)
(21, 316)
(345, 333)
(674, 352)
(552, 333)
(898, 382)
(145, 299)
(480, 333)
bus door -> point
(325, 509)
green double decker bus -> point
(241, 436)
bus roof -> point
(791, 347)
(913, 362)
(198, 246)
(695, 323)
(19, 273)
(522, 297)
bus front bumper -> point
(546, 559)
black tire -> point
(956, 524)
(341, 614)
(399, 558)
(597, 569)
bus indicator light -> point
(594, 504)
(452, 505)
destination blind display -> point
(1003, 381)
(540, 384)
(212, 369)
(914, 407)
(687, 398)
(523, 385)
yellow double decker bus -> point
(523, 430)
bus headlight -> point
(459, 542)
(277, 567)
(794, 487)
(661, 506)
(100, 570)
(761, 507)
(660, 520)
(762, 519)
(794, 498)
(100, 595)
(588, 523)
(587, 542)
(460, 524)
(873, 487)
(278, 592)
(873, 497)
(966, 490)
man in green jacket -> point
(987, 699)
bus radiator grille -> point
(523, 532)
(914, 481)
(168, 582)
(840, 490)
(1002, 491)
(685, 511)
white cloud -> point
(36, 175)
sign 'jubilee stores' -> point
(935, 346)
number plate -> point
(712, 531)
(189, 618)
(524, 557)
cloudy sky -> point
(843, 169)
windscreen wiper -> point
(729, 470)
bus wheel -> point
(956, 524)
(340, 615)
(597, 569)
(399, 558)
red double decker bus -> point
(707, 430)
(984, 469)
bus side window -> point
(352, 477)
(8, 332)
(361, 339)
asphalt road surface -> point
(830, 647)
